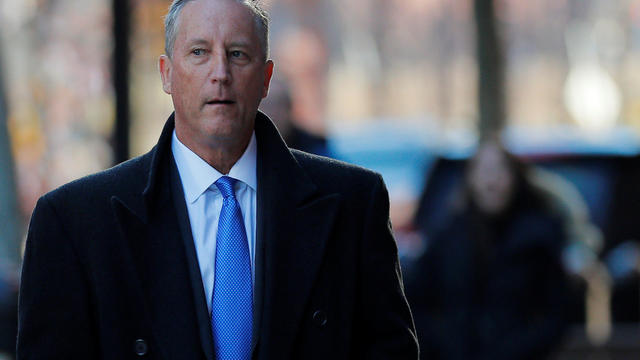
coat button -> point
(140, 347)
(319, 318)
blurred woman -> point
(491, 285)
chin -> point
(222, 127)
(217, 125)
(226, 133)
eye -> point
(197, 52)
(237, 54)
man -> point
(279, 106)
(220, 243)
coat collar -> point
(161, 155)
(143, 194)
(274, 159)
(278, 168)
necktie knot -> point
(225, 185)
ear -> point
(164, 65)
(268, 72)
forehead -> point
(489, 155)
(204, 19)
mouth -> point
(220, 102)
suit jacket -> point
(110, 269)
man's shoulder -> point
(126, 177)
(336, 174)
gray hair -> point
(171, 24)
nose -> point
(220, 69)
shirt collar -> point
(197, 175)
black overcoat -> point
(110, 269)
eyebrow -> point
(237, 43)
(242, 44)
(197, 42)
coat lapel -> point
(149, 222)
(294, 222)
(200, 300)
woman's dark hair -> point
(523, 193)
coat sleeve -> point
(54, 317)
(386, 323)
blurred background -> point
(408, 88)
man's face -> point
(217, 74)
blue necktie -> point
(232, 298)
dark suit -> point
(110, 268)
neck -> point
(221, 155)
(224, 159)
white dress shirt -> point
(204, 203)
